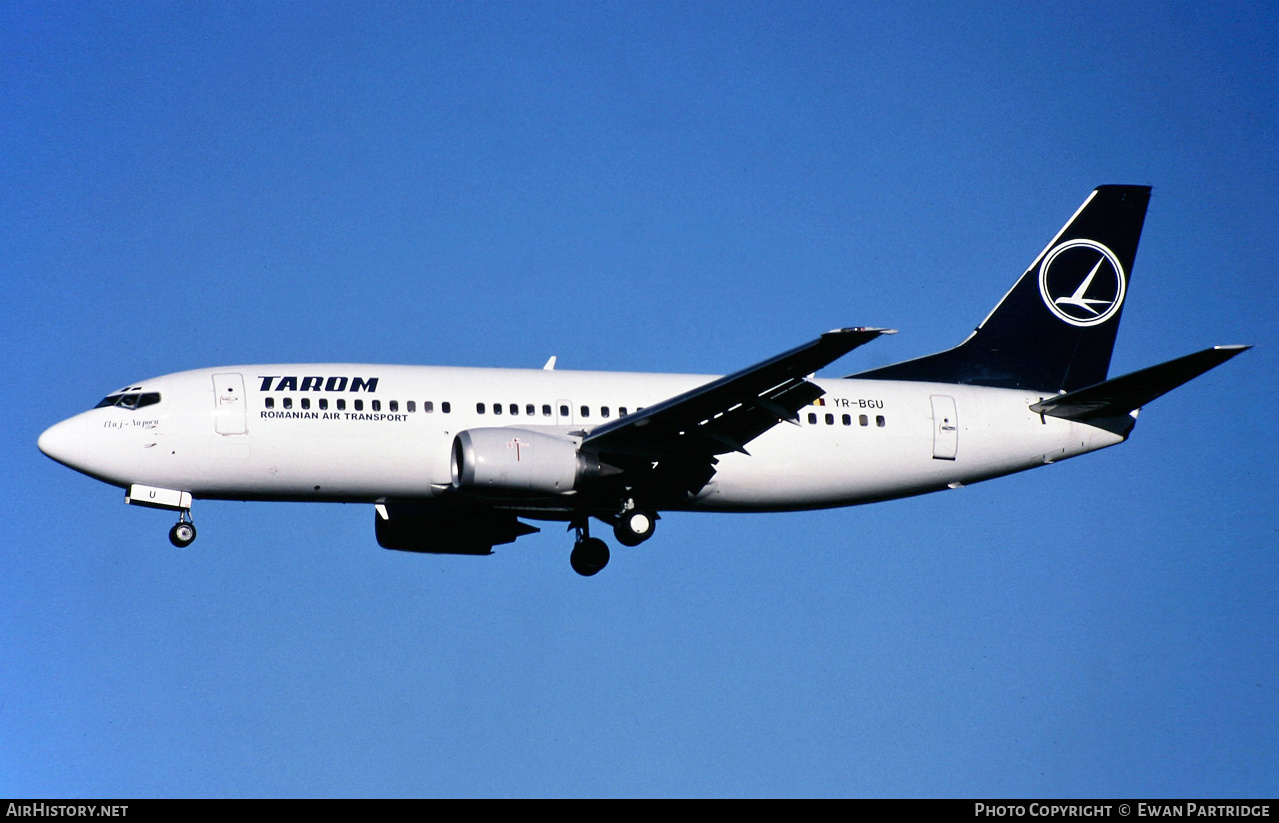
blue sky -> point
(654, 187)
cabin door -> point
(945, 427)
(229, 404)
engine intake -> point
(521, 461)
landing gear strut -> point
(183, 532)
(590, 554)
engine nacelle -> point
(521, 461)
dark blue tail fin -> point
(1056, 329)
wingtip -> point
(862, 330)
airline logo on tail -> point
(1082, 282)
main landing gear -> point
(634, 526)
(183, 532)
(590, 554)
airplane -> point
(455, 460)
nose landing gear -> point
(183, 532)
(153, 497)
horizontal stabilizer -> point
(1122, 395)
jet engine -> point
(507, 460)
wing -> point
(724, 415)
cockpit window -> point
(130, 401)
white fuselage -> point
(294, 432)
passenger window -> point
(446, 407)
(359, 405)
(428, 406)
(621, 411)
(270, 402)
(863, 420)
(847, 420)
(377, 405)
(515, 408)
(497, 408)
(341, 405)
(546, 409)
(879, 420)
(324, 404)
(288, 402)
(603, 411)
(830, 420)
(530, 410)
(812, 418)
(394, 405)
(563, 411)
(306, 402)
(410, 406)
(479, 408)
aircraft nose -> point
(62, 442)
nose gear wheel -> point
(183, 532)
